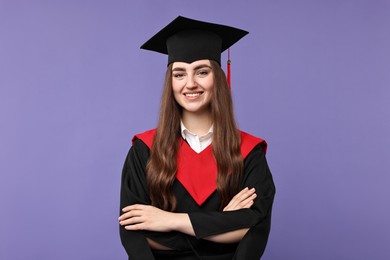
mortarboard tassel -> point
(228, 69)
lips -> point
(193, 94)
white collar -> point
(197, 143)
(185, 131)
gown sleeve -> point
(134, 191)
(257, 218)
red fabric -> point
(228, 74)
(228, 70)
(248, 142)
(197, 172)
(146, 137)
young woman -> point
(196, 187)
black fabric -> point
(206, 220)
(191, 45)
(188, 40)
(174, 255)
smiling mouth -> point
(196, 94)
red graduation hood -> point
(197, 172)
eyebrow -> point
(201, 66)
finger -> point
(249, 204)
(245, 201)
(241, 196)
(238, 197)
(245, 193)
(133, 207)
(135, 227)
(130, 214)
(131, 221)
(251, 197)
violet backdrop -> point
(312, 78)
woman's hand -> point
(243, 200)
(145, 217)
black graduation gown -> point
(206, 219)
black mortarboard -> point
(188, 40)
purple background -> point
(312, 78)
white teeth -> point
(192, 94)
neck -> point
(197, 123)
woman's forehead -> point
(194, 64)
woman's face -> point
(192, 85)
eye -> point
(178, 75)
(203, 73)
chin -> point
(195, 110)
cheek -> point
(210, 90)
(176, 86)
(209, 87)
(209, 84)
(177, 97)
(176, 92)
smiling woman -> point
(196, 187)
(193, 86)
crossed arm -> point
(146, 217)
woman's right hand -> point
(243, 200)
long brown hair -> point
(161, 168)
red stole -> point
(197, 172)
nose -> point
(191, 83)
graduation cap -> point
(188, 40)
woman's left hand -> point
(145, 217)
(243, 200)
